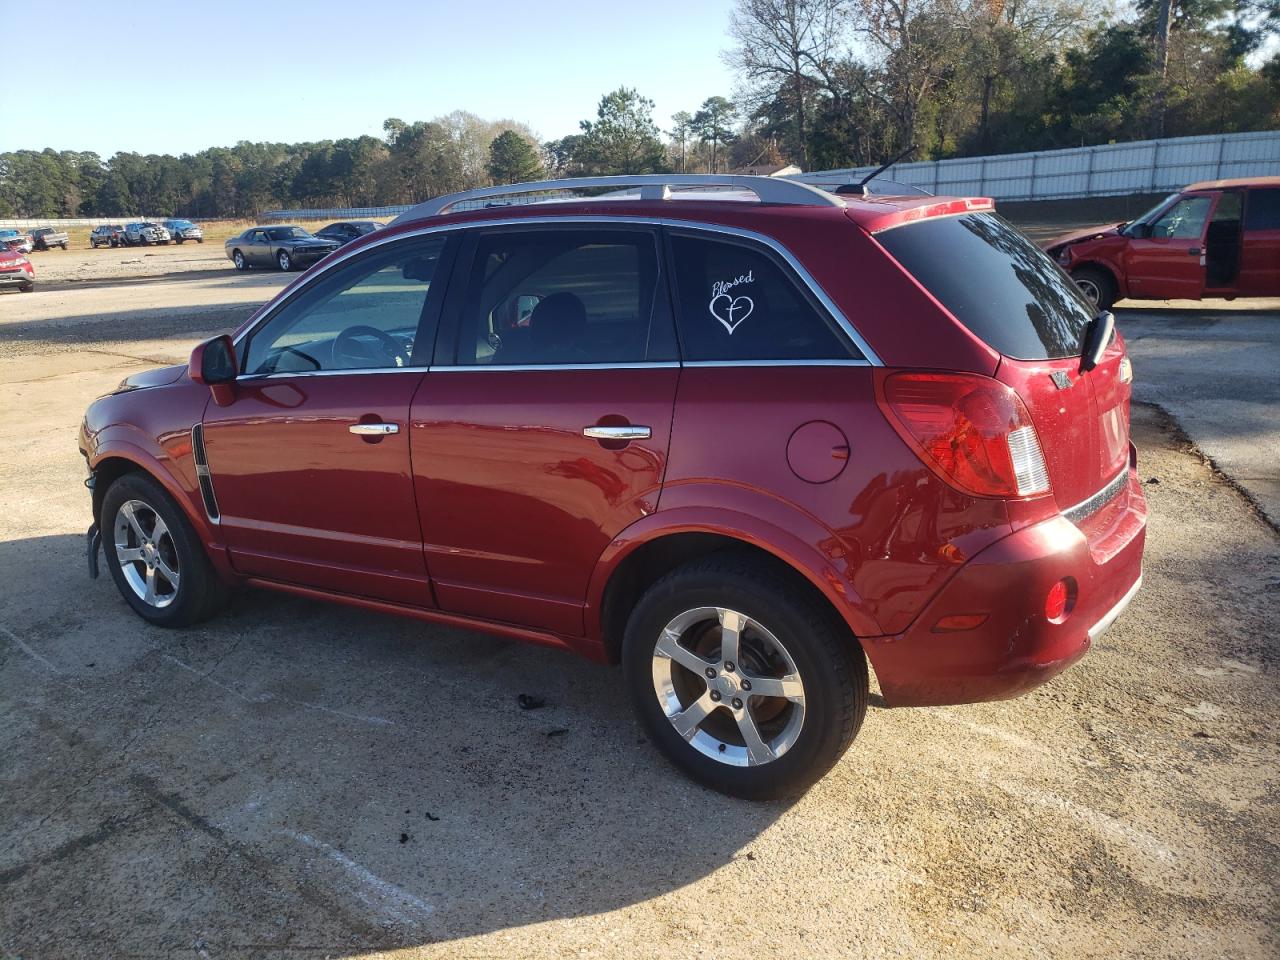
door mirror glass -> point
(213, 362)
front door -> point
(542, 432)
(1169, 262)
(310, 462)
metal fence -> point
(32, 223)
(1145, 166)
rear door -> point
(1169, 263)
(541, 432)
(1006, 291)
(1260, 251)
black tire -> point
(64, 246)
(26, 288)
(1097, 285)
(825, 654)
(284, 261)
(200, 593)
(199, 239)
(178, 241)
(239, 260)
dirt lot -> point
(299, 780)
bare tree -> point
(783, 50)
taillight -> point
(973, 431)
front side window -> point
(1184, 220)
(364, 315)
(737, 302)
(561, 297)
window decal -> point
(729, 309)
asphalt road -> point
(299, 780)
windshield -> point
(288, 233)
(181, 224)
(1151, 214)
(996, 282)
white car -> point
(148, 234)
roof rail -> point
(653, 186)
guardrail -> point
(1113, 169)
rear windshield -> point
(996, 282)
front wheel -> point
(284, 260)
(748, 685)
(1097, 286)
(155, 558)
(238, 259)
(26, 288)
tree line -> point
(819, 83)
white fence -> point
(1146, 166)
(31, 224)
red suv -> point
(738, 434)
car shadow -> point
(297, 775)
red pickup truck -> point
(1219, 239)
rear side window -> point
(738, 303)
(1262, 210)
(563, 297)
(996, 282)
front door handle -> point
(628, 432)
(1194, 251)
(374, 429)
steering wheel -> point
(393, 352)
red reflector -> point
(961, 425)
(1057, 600)
(959, 621)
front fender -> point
(793, 542)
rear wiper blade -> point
(1097, 337)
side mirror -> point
(213, 364)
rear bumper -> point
(1017, 648)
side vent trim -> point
(202, 472)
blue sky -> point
(211, 72)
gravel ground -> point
(298, 780)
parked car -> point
(107, 235)
(46, 238)
(18, 240)
(1217, 239)
(181, 230)
(284, 247)
(15, 269)
(858, 429)
(144, 234)
(346, 231)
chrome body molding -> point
(695, 226)
(1110, 617)
(1091, 505)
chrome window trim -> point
(1091, 504)
(871, 358)
(779, 363)
(479, 367)
(354, 372)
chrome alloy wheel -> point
(728, 686)
(1089, 289)
(147, 554)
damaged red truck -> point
(738, 434)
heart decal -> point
(732, 311)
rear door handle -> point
(374, 429)
(628, 432)
(1194, 251)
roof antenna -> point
(860, 188)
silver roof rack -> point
(653, 186)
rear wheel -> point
(749, 686)
(155, 558)
(284, 260)
(1097, 286)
